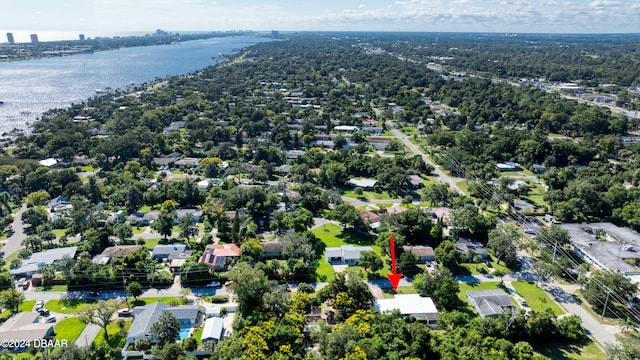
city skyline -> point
(112, 17)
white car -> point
(39, 305)
(50, 319)
(21, 282)
(214, 284)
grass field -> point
(368, 195)
(388, 292)
(67, 306)
(333, 235)
(27, 305)
(57, 288)
(586, 350)
(536, 298)
(151, 300)
(69, 329)
(324, 272)
(113, 330)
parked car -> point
(43, 312)
(214, 284)
(39, 305)
(25, 285)
(227, 283)
(50, 319)
(21, 281)
(125, 313)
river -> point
(29, 88)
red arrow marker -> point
(394, 277)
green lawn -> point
(151, 300)
(67, 306)
(324, 272)
(27, 305)
(57, 288)
(138, 229)
(113, 329)
(369, 195)
(151, 243)
(197, 334)
(59, 232)
(387, 292)
(536, 298)
(585, 350)
(333, 235)
(88, 168)
(144, 209)
(69, 329)
(463, 185)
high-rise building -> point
(34, 38)
(10, 38)
(275, 34)
(81, 37)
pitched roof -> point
(217, 254)
(347, 252)
(420, 251)
(24, 326)
(44, 258)
(212, 329)
(490, 302)
(145, 316)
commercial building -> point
(34, 38)
(10, 38)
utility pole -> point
(124, 286)
(605, 305)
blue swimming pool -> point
(184, 332)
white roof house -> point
(412, 305)
(48, 162)
(346, 128)
(363, 183)
(213, 329)
(345, 254)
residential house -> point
(219, 256)
(145, 316)
(370, 218)
(59, 204)
(416, 181)
(166, 160)
(410, 305)
(170, 251)
(467, 246)
(24, 328)
(41, 259)
(118, 251)
(271, 249)
(345, 254)
(48, 162)
(187, 162)
(490, 303)
(508, 166)
(423, 253)
(196, 213)
(366, 184)
(143, 219)
(213, 330)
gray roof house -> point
(143, 219)
(490, 303)
(213, 330)
(31, 265)
(59, 204)
(170, 251)
(145, 316)
(465, 246)
(25, 327)
(345, 254)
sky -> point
(114, 17)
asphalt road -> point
(437, 172)
(14, 242)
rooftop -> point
(411, 305)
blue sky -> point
(108, 17)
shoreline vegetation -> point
(30, 51)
